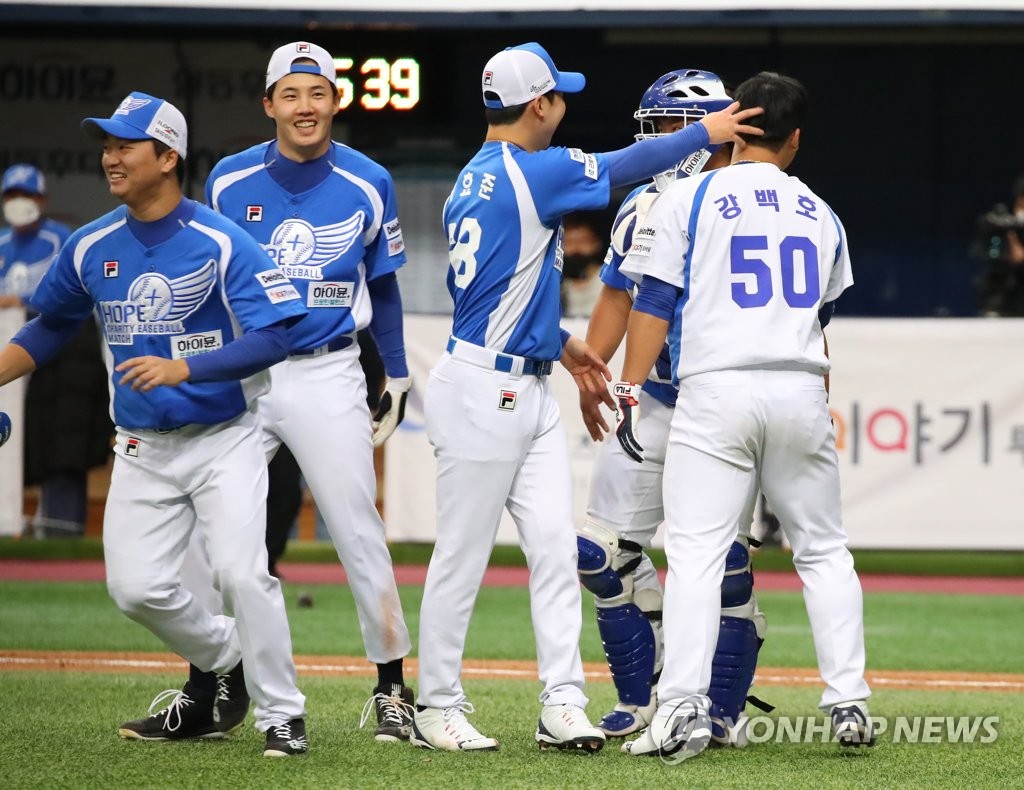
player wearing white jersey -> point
(192, 314)
(739, 268)
(490, 413)
(327, 217)
(625, 506)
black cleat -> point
(286, 740)
(232, 701)
(394, 707)
(186, 716)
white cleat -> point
(852, 724)
(567, 727)
(681, 729)
(448, 729)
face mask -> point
(574, 267)
(21, 211)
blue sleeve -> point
(386, 253)
(657, 297)
(60, 292)
(825, 313)
(564, 334)
(563, 180)
(386, 324)
(44, 336)
(241, 358)
(647, 158)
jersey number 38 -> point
(463, 244)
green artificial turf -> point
(911, 631)
(63, 735)
(916, 563)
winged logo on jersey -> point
(301, 250)
(129, 104)
(157, 305)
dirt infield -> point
(333, 573)
(351, 666)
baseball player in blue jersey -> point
(192, 313)
(327, 217)
(63, 436)
(739, 269)
(29, 245)
(626, 505)
(490, 413)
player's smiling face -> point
(302, 106)
(133, 168)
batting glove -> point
(391, 409)
(627, 417)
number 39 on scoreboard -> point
(385, 84)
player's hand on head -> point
(391, 410)
(587, 368)
(145, 373)
(593, 417)
(727, 125)
(627, 416)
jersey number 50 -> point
(757, 291)
(463, 244)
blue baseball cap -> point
(518, 74)
(143, 117)
(24, 178)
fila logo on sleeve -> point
(110, 269)
(254, 213)
(131, 446)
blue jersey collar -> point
(297, 177)
(150, 234)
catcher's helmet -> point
(687, 93)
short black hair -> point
(160, 148)
(507, 115)
(784, 100)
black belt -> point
(334, 345)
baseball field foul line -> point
(351, 666)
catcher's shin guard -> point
(740, 635)
(628, 620)
(629, 644)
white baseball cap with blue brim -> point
(283, 62)
(517, 75)
(24, 178)
(143, 117)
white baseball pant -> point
(490, 458)
(317, 406)
(210, 478)
(732, 429)
(626, 497)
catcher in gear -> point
(625, 506)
